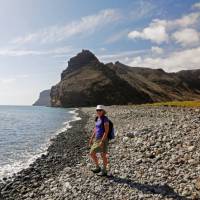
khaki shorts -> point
(97, 149)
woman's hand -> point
(101, 144)
(92, 137)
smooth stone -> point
(191, 148)
(67, 185)
(125, 139)
(197, 184)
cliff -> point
(44, 99)
(88, 82)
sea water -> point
(25, 133)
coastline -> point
(20, 165)
(65, 150)
(155, 155)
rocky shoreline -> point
(36, 180)
(155, 155)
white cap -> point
(100, 107)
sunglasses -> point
(99, 110)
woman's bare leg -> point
(94, 158)
(105, 160)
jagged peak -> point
(118, 63)
(82, 59)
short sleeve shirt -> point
(100, 126)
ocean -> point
(25, 133)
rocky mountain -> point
(88, 82)
(44, 99)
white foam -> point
(67, 123)
(9, 169)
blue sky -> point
(38, 37)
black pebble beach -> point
(65, 150)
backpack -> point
(111, 133)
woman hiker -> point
(99, 140)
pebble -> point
(191, 148)
(67, 185)
(125, 139)
(197, 184)
(155, 155)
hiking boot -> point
(103, 172)
(96, 170)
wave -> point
(9, 170)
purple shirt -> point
(100, 127)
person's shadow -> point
(165, 190)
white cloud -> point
(13, 78)
(157, 50)
(7, 80)
(142, 9)
(87, 24)
(102, 49)
(186, 37)
(117, 36)
(156, 32)
(22, 75)
(139, 10)
(185, 21)
(175, 61)
(18, 52)
(27, 52)
(122, 56)
(196, 5)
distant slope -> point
(87, 82)
(160, 85)
(44, 99)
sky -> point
(38, 38)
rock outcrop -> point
(44, 99)
(87, 82)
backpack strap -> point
(102, 123)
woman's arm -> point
(106, 128)
(92, 137)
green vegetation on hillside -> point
(177, 103)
